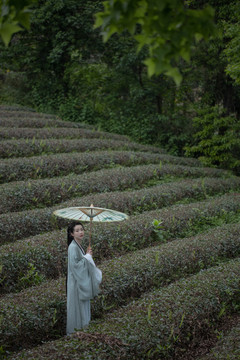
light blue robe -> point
(83, 283)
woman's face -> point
(78, 232)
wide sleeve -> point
(82, 272)
(98, 272)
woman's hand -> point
(89, 250)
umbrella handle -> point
(90, 233)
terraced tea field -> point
(171, 273)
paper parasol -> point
(92, 214)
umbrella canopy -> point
(92, 214)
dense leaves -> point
(188, 309)
(167, 29)
(14, 16)
(75, 163)
(111, 240)
(106, 85)
(123, 281)
(18, 195)
(228, 346)
(216, 139)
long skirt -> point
(78, 317)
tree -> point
(216, 139)
(233, 48)
(167, 27)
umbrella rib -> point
(99, 215)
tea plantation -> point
(171, 272)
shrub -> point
(48, 251)
(31, 120)
(46, 192)
(20, 148)
(77, 163)
(228, 347)
(32, 222)
(18, 111)
(160, 324)
(216, 139)
(57, 133)
(124, 278)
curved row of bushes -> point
(131, 202)
(228, 347)
(161, 323)
(31, 120)
(57, 133)
(124, 278)
(44, 166)
(16, 112)
(20, 148)
(46, 192)
(47, 252)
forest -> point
(133, 106)
(62, 66)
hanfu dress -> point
(83, 283)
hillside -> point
(170, 273)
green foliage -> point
(14, 16)
(69, 71)
(38, 193)
(56, 133)
(189, 308)
(44, 166)
(111, 240)
(107, 85)
(167, 29)
(26, 148)
(158, 228)
(233, 48)
(30, 278)
(228, 347)
(125, 280)
(216, 139)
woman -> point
(83, 280)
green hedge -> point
(47, 252)
(46, 192)
(124, 278)
(31, 120)
(19, 112)
(57, 133)
(20, 148)
(161, 323)
(44, 166)
(133, 202)
(228, 347)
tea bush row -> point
(160, 324)
(31, 222)
(164, 322)
(20, 148)
(63, 164)
(16, 112)
(228, 347)
(57, 133)
(46, 192)
(125, 277)
(132, 202)
(47, 252)
(31, 120)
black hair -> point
(70, 230)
